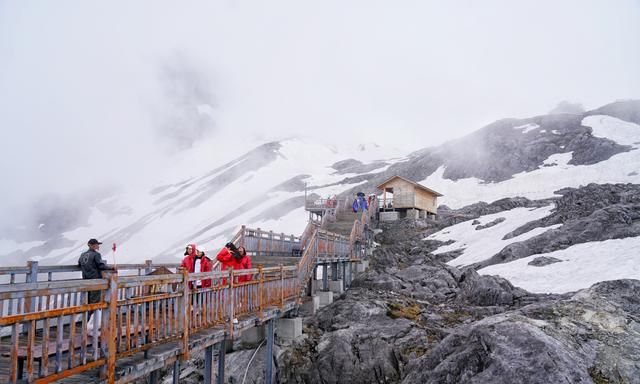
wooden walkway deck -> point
(150, 322)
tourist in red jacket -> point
(236, 258)
(196, 261)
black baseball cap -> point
(93, 242)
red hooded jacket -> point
(228, 261)
(189, 263)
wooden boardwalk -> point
(148, 322)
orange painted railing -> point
(48, 321)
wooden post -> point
(108, 332)
(344, 276)
(268, 361)
(244, 231)
(260, 285)
(232, 301)
(259, 234)
(270, 243)
(183, 319)
(147, 266)
(30, 305)
(281, 286)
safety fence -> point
(55, 325)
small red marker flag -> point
(114, 247)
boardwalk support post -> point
(153, 377)
(208, 365)
(268, 361)
(176, 372)
(221, 352)
(344, 276)
(325, 278)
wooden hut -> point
(404, 198)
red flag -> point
(114, 247)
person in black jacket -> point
(92, 265)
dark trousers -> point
(94, 297)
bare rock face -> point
(592, 335)
(411, 318)
(543, 260)
(490, 224)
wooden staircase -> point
(343, 223)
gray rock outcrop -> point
(412, 318)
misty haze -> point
(512, 129)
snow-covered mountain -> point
(532, 158)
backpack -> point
(354, 206)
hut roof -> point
(381, 186)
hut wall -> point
(426, 201)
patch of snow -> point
(543, 131)
(562, 146)
(527, 127)
(8, 246)
(620, 131)
(479, 245)
(559, 159)
(556, 132)
(582, 266)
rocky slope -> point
(412, 318)
(591, 213)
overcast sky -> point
(99, 92)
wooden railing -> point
(321, 204)
(137, 313)
(48, 320)
(259, 242)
